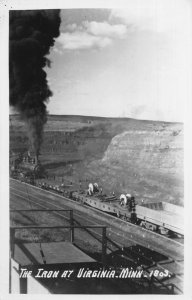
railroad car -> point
(160, 217)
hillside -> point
(124, 155)
(147, 163)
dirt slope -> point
(147, 163)
(123, 155)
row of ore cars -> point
(161, 217)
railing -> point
(71, 227)
(71, 220)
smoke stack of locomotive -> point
(31, 35)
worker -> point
(128, 196)
(90, 189)
(123, 200)
(95, 187)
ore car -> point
(160, 217)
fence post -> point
(12, 240)
(104, 245)
(172, 288)
(11, 254)
(72, 224)
(22, 283)
(10, 271)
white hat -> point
(128, 195)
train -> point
(160, 217)
(26, 167)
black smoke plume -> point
(31, 35)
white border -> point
(5, 6)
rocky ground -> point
(122, 155)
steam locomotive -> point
(26, 167)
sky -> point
(130, 62)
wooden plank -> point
(55, 253)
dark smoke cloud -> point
(31, 35)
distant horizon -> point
(103, 117)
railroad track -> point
(121, 222)
(41, 203)
(145, 232)
(99, 212)
(127, 246)
(175, 237)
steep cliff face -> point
(149, 163)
